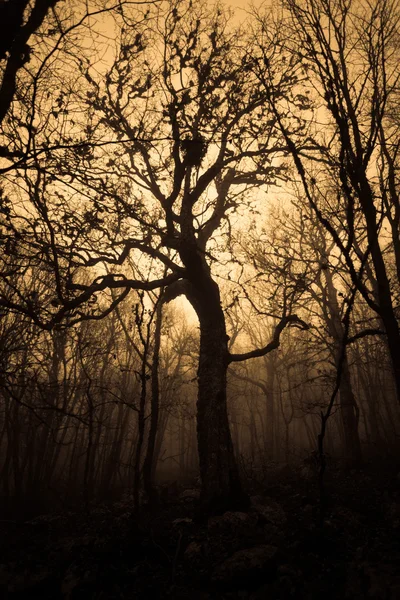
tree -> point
(152, 155)
(303, 258)
(16, 31)
(349, 54)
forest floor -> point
(274, 551)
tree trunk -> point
(384, 292)
(221, 487)
(140, 438)
(349, 415)
(348, 405)
(149, 462)
(270, 409)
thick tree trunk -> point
(221, 487)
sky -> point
(241, 6)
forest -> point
(200, 299)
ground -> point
(277, 550)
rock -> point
(5, 576)
(247, 567)
(176, 592)
(193, 550)
(194, 556)
(168, 490)
(308, 510)
(182, 522)
(273, 534)
(265, 592)
(230, 522)
(393, 513)
(288, 570)
(75, 579)
(345, 519)
(192, 494)
(30, 580)
(268, 511)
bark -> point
(349, 415)
(389, 190)
(348, 405)
(15, 42)
(287, 419)
(253, 438)
(12, 17)
(149, 462)
(221, 487)
(114, 457)
(386, 309)
(89, 458)
(270, 409)
(182, 445)
(140, 437)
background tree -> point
(300, 254)
(348, 54)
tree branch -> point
(362, 334)
(274, 343)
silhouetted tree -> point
(348, 52)
(165, 144)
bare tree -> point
(167, 142)
(348, 54)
